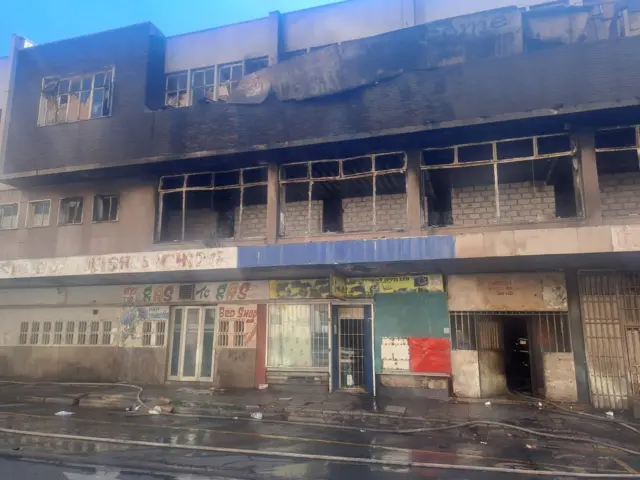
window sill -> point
(497, 227)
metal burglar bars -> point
(528, 179)
(611, 316)
(351, 347)
(213, 205)
(356, 194)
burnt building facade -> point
(436, 201)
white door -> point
(192, 344)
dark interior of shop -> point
(517, 354)
(351, 353)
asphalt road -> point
(75, 459)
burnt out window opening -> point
(358, 194)
(205, 85)
(618, 164)
(105, 208)
(70, 211)
(519, 180)
(213, 206)
(9, 216)
(74, 98)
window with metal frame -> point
(228, 77)
(70, 211)
(176, 89)
(76, 97)
(298, 336)
(9, 216)
(39, 213)
(105, 208)
(358, 194)
(517, 180)
(203, 85)
(213, 206)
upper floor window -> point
(39, 213)
(208, 84)
(9, 216)
(70, 211)
(73, 98)
(105, 208)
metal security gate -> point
(611, 318)
(351, 347)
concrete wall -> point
(620, 194)
(466, 373)
(427, 386)
(493, 381)
(432, 10)
(519, 202)
(133, 232)
(560, 377)
(4, 92)
(226, 44)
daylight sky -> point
(45, 21)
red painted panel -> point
(430, 355)
(261, 345)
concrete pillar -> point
(275, 37)
(592, 205)
(414, 194)
(577, 336)
(273, 211)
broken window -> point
(213, 206)
(618, 162)
(70, 211)
(203, 85)
(76, 98)
(228, 77)
(39, 213)
(519, 180)
(252, 65)
(360, 194)
(105, 208)
(176, 90)
(9, 216)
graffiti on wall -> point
(166, 261)
(132, 320)
(149, 294)
(240, 322)
(281, 289)
(416, 355)
(232, 291)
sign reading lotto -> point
(147, 262)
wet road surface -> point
(475, 446)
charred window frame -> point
(203, 85)
(9, 216)
(516, 180)
(76, 97)
(177, 89)
(212, 206)
(229, 74)
(105, 208)
(71, 210)
(618, 164)
(335, 182)
(39, 213)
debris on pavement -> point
(263, 386)
(133, 408)
(154, 412)
(163, 408)
(217, 390)
(483, 443)
(285, 399)
(163, 401)
(609, 414)
(488, 404)
(257, 415)
(539, 405)
(530, 447)
(63, 413)
(395, 409)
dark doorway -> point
(352, 353)
(517, 354)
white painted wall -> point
(218, 45)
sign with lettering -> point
(368, 287)
(232, 291)
(239, 321)
(338, 287)
(280, 289)
(146, 262)
(507, 292)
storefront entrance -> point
(352, 357)
(192, 343)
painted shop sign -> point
(240, 321)
(147, 262)
(338, 287)
(232, 291)
(368, 287)
(199, 292)
(282, 289)
(507, 292)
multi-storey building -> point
(375, 194)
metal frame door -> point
(192, 323)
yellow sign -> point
(338, 287)
(368, 287)
(280, 289)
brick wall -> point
(391, 213)
(295, 218)
(620, 194)
(519, 202)
(254, 221)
